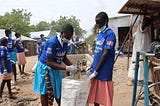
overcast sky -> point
(48, 10)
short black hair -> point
(3, 41)
(41, 35)
(102, 17)
(7, 31)
(17, 35)
(67, 28)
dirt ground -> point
(26, 96)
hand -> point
(71, 68)
(93, 75)
(88, 72)
(5, 72)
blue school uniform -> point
(4, 54)
(40, 47)
(53, 48)
(20, 47)
(11, 49)
(105, 40)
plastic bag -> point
(75, 92)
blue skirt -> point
(39, 84)
(13, 56)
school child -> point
(5, 68)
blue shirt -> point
(105, 40)
(10, 46)
(53, 49)
(40, 47)
(4, 54)
(20, 47)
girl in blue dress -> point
(5, 68)
(48, 75)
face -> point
(8, 33)
(67, 36)
(99, 22)
(42, 36)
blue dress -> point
(52, 49)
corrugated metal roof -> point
(134, 6)
(24, 38)
(37, 34)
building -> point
(121, 26)
(36, 35)
(30, 44)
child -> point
(20, 54)
(5, 68)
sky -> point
(48, 10)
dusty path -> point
(26, 97)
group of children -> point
(11, 52)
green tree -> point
(43, 25)
(56, 25)
(91, 37)
(18, 20)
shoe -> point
(12, 97)
(130, 82)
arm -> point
(51, 63)
(102, 60)
(3, 63)
(66, 60)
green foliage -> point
(42, 26)
(91, 38)
(56, 25)
(18, 20)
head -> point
(18, 35)
(4, 41)
(42, 36)
(146, 21)
(7, 32)
(101, 19)
(39, 43)
(66, 32)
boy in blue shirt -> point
(5, 68)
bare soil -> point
(26, 97)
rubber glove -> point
(93, 75)
(71, 68)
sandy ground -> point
(122, 92)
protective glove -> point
(5, 72)
(88, 72)
(71, 68)
(93, 75)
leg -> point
(20, 70)
(9, 90)
(14, 71)
(58, 101)
(2, 87)
(44, 100)
(23, 69)
(96, 104)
